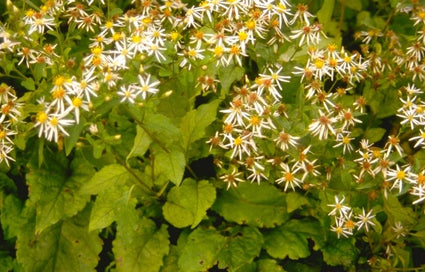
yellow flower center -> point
(41, 117)
(54, 121)
(401, 175)
(242, 35)
(218, 51)
(59, 93)
(238, 141)
(289, 177)
(77, 102)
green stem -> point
(143, 186)
(341, 18)
(159, 194)
(191, 172)
(12, 76)
(140, 123)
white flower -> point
(288, 176)
(365, 220)
(340, 228)
(322, 126)
(55, 124)
(285, 139)
(420, 139)
(146, 87)
(401, 175)
(232, 179)
(345, 141)
(128, 94)
(339, 210)
(418, 191)
(236, 114)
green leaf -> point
(256, 205)
(160, 128)
(291, 239)
(397, 213)
(228, 75)
(108, 176)
(294, 201)
(241, 248)
(374, 134)
(325, 13)
(201, 250)
(141, 143)
(115, 11)
(418, 238)
(6, 261)
(195, 122)
(170, 261)
(325, 18)
(404, 256)
(268, 265)
(281, 243)
(55, 188)
(171, 162)
(74, 136)
(340, 252)
(28, 84)
(188, 204)
(10, 216)
(384, 102)
(39, 71)
(65, 246)
(139, 244)
(356, 5)
(103, 212)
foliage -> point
(150, 135)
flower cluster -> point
(344, 220)
(259, 115)
(9, 119)
(301, 111)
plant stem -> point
(341, 18)
(144, 187)
(140, 123)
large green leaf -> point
(291, 239)
(295, 200)
(170, 162)
(139, 244)
(66, 246)
(195, 122)
(397, 213)
(228, 75)
(383, 102)
(104, 208)
(268, 265)
(6, 261)
(281, 243)
(10, 215)
(256, 205)
(160, 129)
(340, 252)
(141, 143)
(108, 176)
(55, 188)
(201, 250)
(74, 135)
(187, 204)
(241, 248)
(170, 261)
(374, 134)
